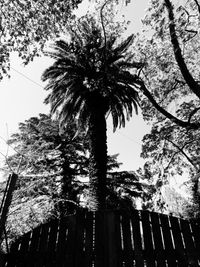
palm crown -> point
(86, 69)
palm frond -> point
(121, 48)
(129, 65)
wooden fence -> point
(109, 239)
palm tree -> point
(89, 80)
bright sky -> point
(22, 96)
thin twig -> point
(198, 5)
(104, 31)
(102, 22)
(18, 167)
(193, 113)
(11, 147)
(181, 150)
(7, 162)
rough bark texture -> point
(67, 195)
(66, 206)
(98, 155)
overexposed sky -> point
(22, 96)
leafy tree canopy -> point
(48, 160)
(43, 146)
(170, 97)
(27, 25)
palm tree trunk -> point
(98, 159)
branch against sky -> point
(164, 112)
(193, 85)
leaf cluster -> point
(26, 26)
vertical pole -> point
(7, 198)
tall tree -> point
(170, 94)
(90, 79)
(45, 152)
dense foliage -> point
(26, 26)
(43, 153)
(170, 98)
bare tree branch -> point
(184, 154)
(170, 161)
(169, 91)
(193, 113)
(102, 22)
(193, 85)
(184, 124)
(198, 5)
(188, 22)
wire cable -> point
(27, 77)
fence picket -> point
(196, 234)
(168, 242)
(51, 245)
(189, 244)
(89, 248)
(178, 242)
(43, 243)
(16, 245)
(24, 249)
(34, 246)
(61, 242)
(128, 249)
(157, 238)
(79, 239)
(100, 239)
(148, 242)
(70, 241)
(114, 251)
(14, 254)
(137, 240)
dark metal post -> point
(7, 198)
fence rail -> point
(108, 239)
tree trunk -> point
(98, 156)
(67, 194)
